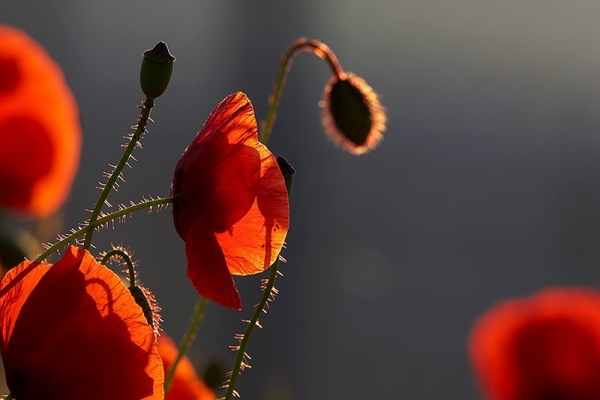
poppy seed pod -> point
(156, 71)
(352, 114)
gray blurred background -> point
(486, 186)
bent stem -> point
(121, 253)
(140, 129)
(314, 46)
(101, 221)
(187, 340)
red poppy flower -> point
(72, 331)
(40, 137)
(543, 347)
(231, 206)
(186, 385)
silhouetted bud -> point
(352, 114)
(288, 173)
(156, 71)
(145, 299)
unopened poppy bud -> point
(352, 114)
(145, 299)
(156, 71)
(288, 173)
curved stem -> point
(241, 351)
(101, 221)
(146, 106)
(187, 340)
(314, 46)
(123, 254)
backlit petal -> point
(40, 137)
(185, 385)
(230, 193)
(218, 174)
(253, 243)
(73, 331)
(546, 346)
(207, 268)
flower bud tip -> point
(156, 71)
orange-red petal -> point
(185, 385)
(546, 346)
(253, 243)
(218, 174)
(73, 331)
(207, 267)
(231, 204)
(40, 136)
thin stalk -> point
(147, 106)
(9, 397)
(187, 340)
(288, 174)
(239, 359)
(123, 254)
(99, 222)
(314, 46)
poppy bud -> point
(352, 114)
(288, 173)
(156, 71)
(145, 299)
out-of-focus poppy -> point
(543, 347)
(72, 331)
(185, 385)
(231, 206)
(352, 114)
(40, 136)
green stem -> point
(288, 173)
(146, 106)
(314, 46)
(187, 340)
(241, 352)
(9, 397)
(101, 221)
(123, 254)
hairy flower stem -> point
(314, 46)
(126, 258)
(268, 291)
(187, 340)
(101, 221)
(140, 129)
(241, 352)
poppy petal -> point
(207, 268)
(254, 242)
(72, 330)
(546, 346)
(230, 202)
(185, 385)
(36, 106)
(218, 174)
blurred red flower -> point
(543, 347)
(40, 136)
(73, 331)
(231, 206)
(186, 385)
